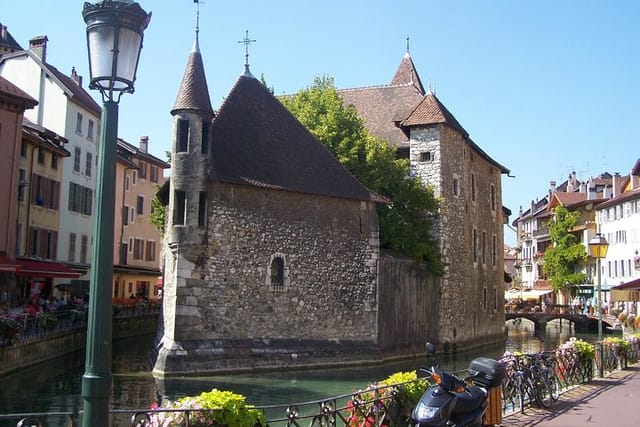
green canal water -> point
(55, 385)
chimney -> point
(76, 77)
(583, 188)
(615, 183)
(571, 183)
(635, 181)
(591, 192)
(3, 32)
(38, 45)
(144, 144)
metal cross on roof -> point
(247, 41)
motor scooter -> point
(455, 402)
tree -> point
(563, 260)
(158, 213)
(407, 222)
(158, 210)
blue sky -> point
(544, 87)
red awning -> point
(38, 268)
(7, 264)
(634, 284)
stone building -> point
(271, 246)
(467, 181)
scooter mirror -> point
(430, 349)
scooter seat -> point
(469, 400)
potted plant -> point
(47, 320)
(9, 327)
(220, 408)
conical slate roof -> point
(257, 141)
(194, 93)
(407, 74)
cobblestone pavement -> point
(613, 400)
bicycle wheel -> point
(554, 384)
(522, 395)
(543, 392)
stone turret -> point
(186, 229)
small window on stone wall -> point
(278, 272)
(425, 156)
(456, 186)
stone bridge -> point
(581, 322)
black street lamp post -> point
(598, 247)
(114, 40)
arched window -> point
(277, 277)
(277, 273)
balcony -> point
(541, 233)
(525, 237)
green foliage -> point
(47, 320)
(406, 223)
(617, 343)
(158, 214)
(562, 261)
(412, 388)
(585, 349)
(230, 410)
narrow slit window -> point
(180, 208)
(183, 136)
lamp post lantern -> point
(114, 40)
(598, 249)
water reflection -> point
(56, 385)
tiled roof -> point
(382, 107)
(136, 151)
(407, 74)
(7, 40)
(633, 284)
(48, 138)
(431, 111)
(567, 199)
(620, 198)
(194, 92)
(12, 92)
(80, 96)
(258, 142)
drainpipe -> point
(124, 189)
(12, 184)
(28, 201)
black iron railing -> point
(377, 405)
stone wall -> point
(409, 307)
(226, 308)
(56, 344)
(472, 309)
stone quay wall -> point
(39, 349)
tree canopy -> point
(406, 223)
(564, 259)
